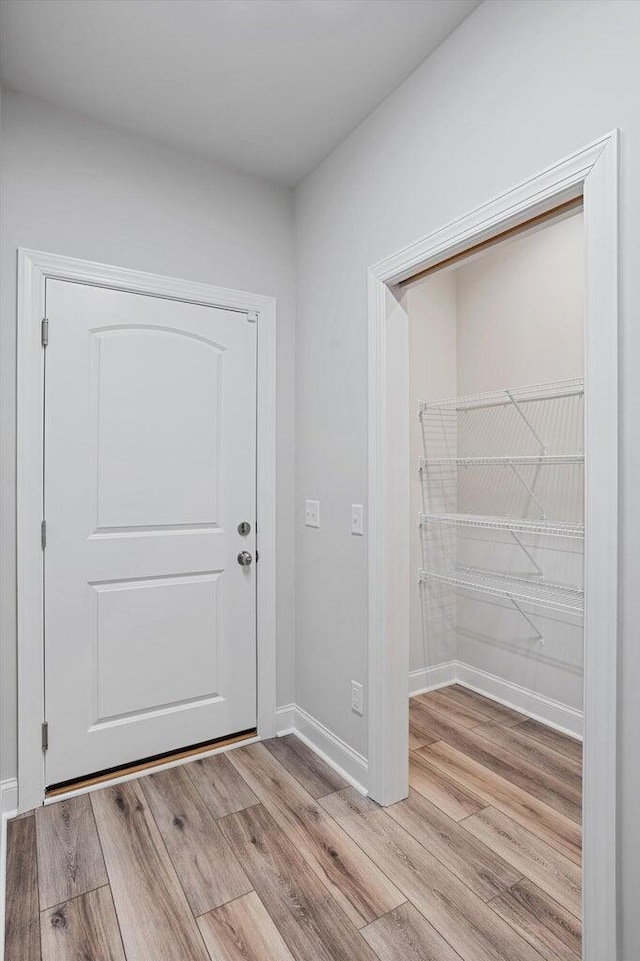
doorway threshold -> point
(146, 764)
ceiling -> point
(266, 86)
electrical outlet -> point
(356, 698)
(357, 522)
(312, 514)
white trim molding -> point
(350, 764)
(9, 798)
(34, 268)
(553, 713)
(591, 173)
(8, 809)
(426, 679)
(563, 718)
(286, 720)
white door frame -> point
(591, 172)
(34, 267)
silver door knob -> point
(244, 558)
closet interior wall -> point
(509, 318)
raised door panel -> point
(166, 631)
(156, 396)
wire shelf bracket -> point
(538, 635)
(527, 554)
(514, 400)
(529, 490)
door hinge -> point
(252, 316)
(43, 534)
(44, 332)
(45, 735)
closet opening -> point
(508, 642)
(496, 544)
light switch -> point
(356, 698)
(312, 514)
(357, 523)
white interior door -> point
(150, 451)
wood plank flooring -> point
(266, 854)
(22, 918)
(242, 930)
(85, 927)
(70, 859)
(358, 885)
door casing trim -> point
(592, 172)
(34, 268)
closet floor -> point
(265, 854)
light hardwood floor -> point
(266, 854)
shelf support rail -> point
(539, 636)
(543, 447)
(528, 553)
(543, 515)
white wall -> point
(520, 310)
(516, 87)
(73, 187)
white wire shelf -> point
(567, 600)
(508, 395)
(512, 524)
(520, 460)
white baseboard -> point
(8, 809)
(430, 678)
(292, 719)
(286, 720)
(353, 767)
(554, 714)
(563, 718)
(8, 797)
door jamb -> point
(591, 172)
(34, 268)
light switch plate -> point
(312, 514)
(357, 521)
(356, 698)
